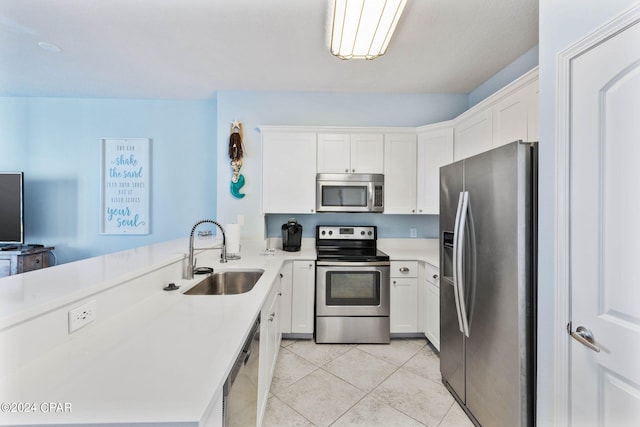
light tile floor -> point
(360, 385)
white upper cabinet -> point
(509, 115)
(288, 172)
(473, 134)
(350, 153)
(435, 149)
(400, 173)
(515, 117)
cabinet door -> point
(367, 153)
(286, 282)
(399, 173)
(270, 337)
(433, 314)
(334, 153)
(435, 149)
(303, 296)
(510, 122)
(404, 305)
(473, 135)
(288, 172)
(532, 121)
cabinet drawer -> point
(404, 268)
(30, 262)
(432, 274)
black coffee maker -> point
(291, 236)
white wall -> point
(562, 23)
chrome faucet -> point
(223, 254)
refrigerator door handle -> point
(461, 239)
(456, 261)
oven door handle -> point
(353, 264)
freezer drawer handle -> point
(404, 269)
(583, 336)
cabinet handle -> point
(272, 316)
(404, 269)
(353, 170)
(346, 170)
(310, 265)
(279, 294)
(394, 283)
(311, 210)
(281, 275)
(435, 276)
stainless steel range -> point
(352, 286)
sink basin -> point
(227, 283)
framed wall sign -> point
(125, 178)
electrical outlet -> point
(413, 232)
(82, 316)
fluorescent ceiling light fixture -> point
(363, 28)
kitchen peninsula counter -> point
(151, 357)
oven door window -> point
(353, 288)
(344, 196)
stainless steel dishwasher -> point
(240, 391)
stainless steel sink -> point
(227, 283)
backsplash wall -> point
(389, 226)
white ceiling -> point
(193, 48)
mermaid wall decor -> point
(236, 152)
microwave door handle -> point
(372, 192)
(456, 261)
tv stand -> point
(15, 259)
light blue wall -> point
(397, 226)
(561, 25)
(524, 63)
(255, 109)
(56, 142)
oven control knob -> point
(362, 232)
(323, 232)
(330, 232)
(370, 232)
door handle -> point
(584, 336)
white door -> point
(604, 231)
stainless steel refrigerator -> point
(488, 285)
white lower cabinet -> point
(302, 297)
(270, 337)
(404, 297)
(432, 305)
(286, 287)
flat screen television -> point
(11, 208)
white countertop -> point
(163, 360)
(426, 250)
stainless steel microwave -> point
(349, 192)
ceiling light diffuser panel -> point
(363, 28)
